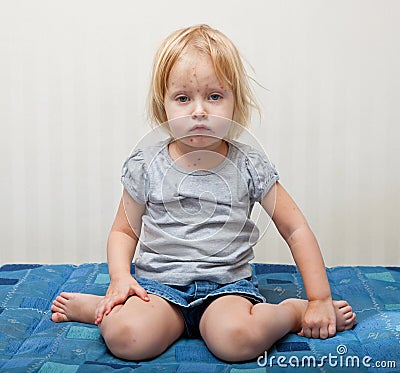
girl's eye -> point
(182, 99)
(215, 97)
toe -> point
(61, 299)
(66, 295)
(57, 304)
(54, 317)
(347, 312)
(340, 304)
(350, 322)
(59, 317)
(346, 308)
(56, 309)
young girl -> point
(189, 199)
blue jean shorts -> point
(193, 299)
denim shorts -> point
(193, 299)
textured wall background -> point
(73, 84)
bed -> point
(31, 342)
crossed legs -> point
(232, 327)
(236, 330)
(136, 330)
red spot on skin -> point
(194, 164)
(191, 140)
(194, 74)
(184, 86)
(191, 81)
(221, 87)
(198, 90)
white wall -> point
(73, 83)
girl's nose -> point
(199, 112)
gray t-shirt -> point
(196, 224)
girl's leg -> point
(136, 330)
(236, 330)
(141, 330)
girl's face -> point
(199, 107)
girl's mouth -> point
(200, 128)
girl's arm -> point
(124, 236)
(319, 320)
(121, 247)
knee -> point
(236, 341)
(130, 340)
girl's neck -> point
(194, 158)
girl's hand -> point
(118, 292)
(319, 320)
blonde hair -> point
(226, 60)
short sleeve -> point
(134, 176)
(262, 174)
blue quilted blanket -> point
(31, 342)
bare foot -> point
(345, 317)
(75, 307)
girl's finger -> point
(324, 332)
(307, 332)
(98, 310)
(103, 311)
(98, 320)
(142, 293)
(332, 330)
(98, 317)
(315, 332)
